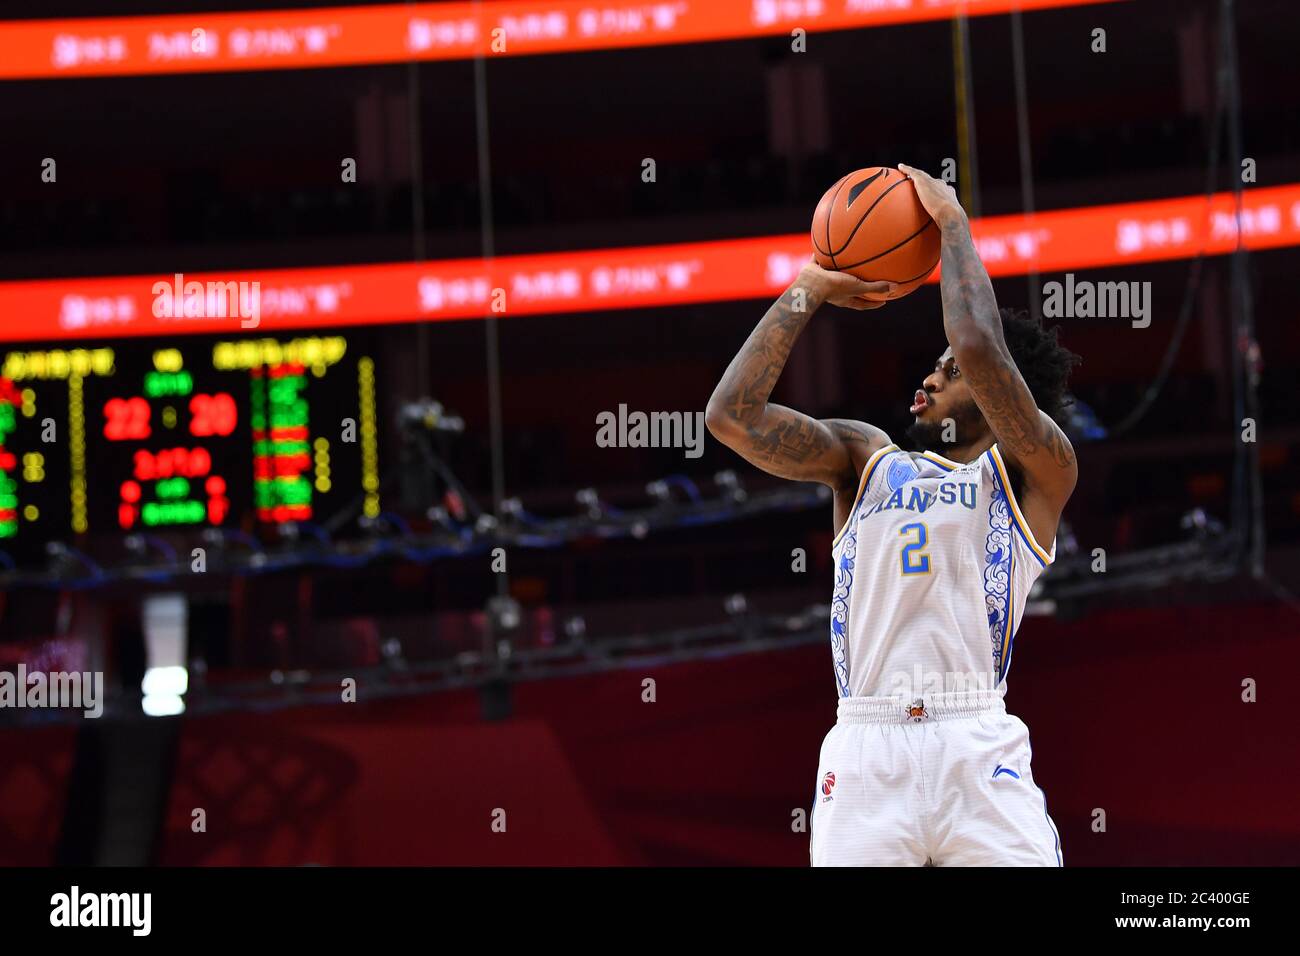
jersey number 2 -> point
(914, 558)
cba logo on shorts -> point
(828, 784)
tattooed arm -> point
(1029, 440)
(777, 439)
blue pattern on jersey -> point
(840, 610)
(901, 471)
(840, 598)
(997, 570)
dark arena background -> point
(366, 585)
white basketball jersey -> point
(932, 570)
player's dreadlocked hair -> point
(1043, 361)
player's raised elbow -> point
(719, 420)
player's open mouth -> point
(921, 401)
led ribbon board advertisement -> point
(349, 36)
(609, 279)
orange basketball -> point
(870, 224)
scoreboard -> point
(190, 433)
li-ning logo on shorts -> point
(1007, 770)
(828, 784)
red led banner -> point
(347, 36)
(608, 279)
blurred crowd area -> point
(238, 171)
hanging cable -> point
(1026, 158)
(967, 163)
(1195, 268)
(492, 345)
(1248, 494)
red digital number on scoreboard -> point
(171, 462)
(126, 419)
(213, 414)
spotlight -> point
(442, 518)
(391, 650)
(660, 492)
(430, 415)
(1201, 524)
(504, 613)
(730, 482)
(589, 499)
(139, 544)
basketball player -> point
(934, 553)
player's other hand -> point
(842, 289)
(938, 198)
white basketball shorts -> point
(943, 781)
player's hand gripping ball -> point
(842, 289)
(871, 224)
